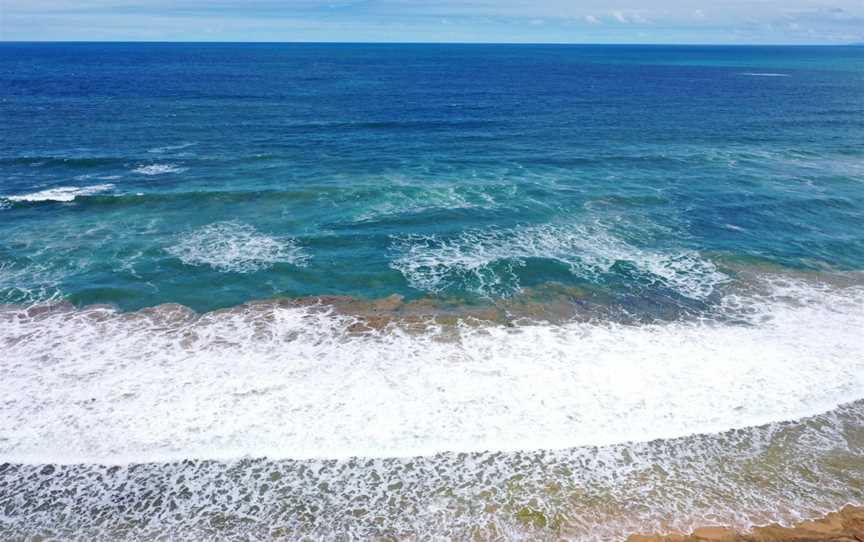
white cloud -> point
(774, 21)
(628, 17)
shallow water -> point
(428, 292)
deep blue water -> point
(214, 174)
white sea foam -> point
(779, 472)
(28, 283)
(405, 199)
(765, 74)
(171, 148)
(434, 264)
(88, 176)
(399, 202)
(62, 193)
(236, 247)
(289, 382)
(158, 169)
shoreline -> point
(552, 303)
(632, 428)
(844, 525)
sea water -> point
(414, 292)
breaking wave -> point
(284, 381)
(487, 261)
(61, 193)
(171, 148)
(407, 200)
(158, 169)
(237, 248)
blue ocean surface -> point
(427, 292)
(210, 175)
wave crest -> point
(61, 193)
(236, 247)
(486, 261)
(158, 169)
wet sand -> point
(847, 525)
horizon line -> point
(323, 42)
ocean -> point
(427, 292)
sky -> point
(508, 21)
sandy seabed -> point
(847, 525)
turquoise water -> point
(210, 175)
(427, 292)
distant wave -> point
(158, 169)
(61, 193)
(88, 176)
(402, 199)
(171, 148)
(237, 248)
(393, 124)
(67, 161)
(766, 74)
(138, 198)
